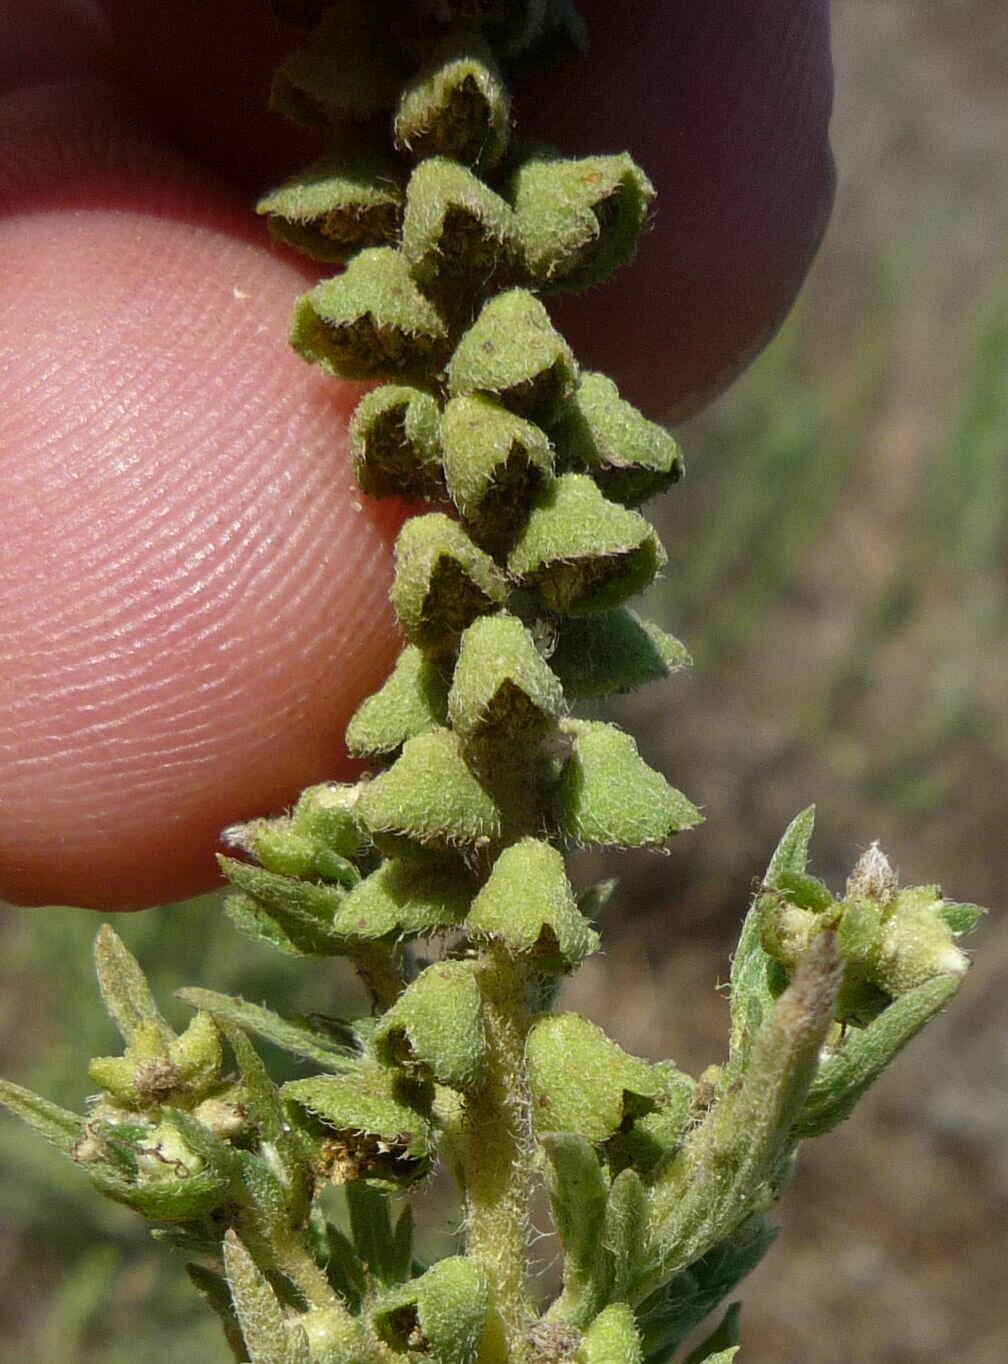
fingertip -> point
(194, 597)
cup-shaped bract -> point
(456, 106)
(395, 444)
(438, 1315)
(344, 201)
(528, 905)
(502, 687)
(317, 841)
(607, 795)
(406, 898)
(413, 700)
(582, 1082)
(613, 651)
(629, 457)
(345, 71)
(612, 1336)
(514, 353)
(578, 220)
(429, 798)
(442, 581)
(457, 233)
(373, 1125)
(435, 1029)
(493, 462)
(582, 553)
(371, 322)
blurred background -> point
(838, 557)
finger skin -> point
(726, 104)
(192, 596)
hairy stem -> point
(497, 1150)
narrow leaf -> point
(578, 1194)
(124, 987)
(214, 1291)
(58, 1126)
(258, 1311)
(865, 1052)
(333, 1051)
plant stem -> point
(496, 1151)
(303, 1271)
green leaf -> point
(442, 581)
(859, 1059)
(302, 911)
(259, 1313)
(56, 1125)
(346, 200)
(124, 987)
(734, 1159)
(629, 457)
(213, 1289)
(670, 1314)
(751, 995)
(578, 1192)
(295, 1035)
(346, 70)
(408, 898)
(612, 1336)
(582, 1082)
(721, 1346)
(385, 1253)
(395, 444)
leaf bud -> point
(406, 898)
(456, 232)
(370, 322)
(412, 701)
(582, 553)
(151, 1073)
(345, 201)
(514, 353)
(502, 687)
(629, 457)
(582, 1082)
(395, 444)
(429, 798)
(442, 581)
(346, 70)
(528, 905)
(439, 1315)
(370, 1125)
(316, 841)
(578, 220)
(608, 795)
(613, 651)
(435, 1030)
(493, 461)
(612, 1336)
(456, 106)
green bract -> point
(440, 873)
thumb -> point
(192, 597)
